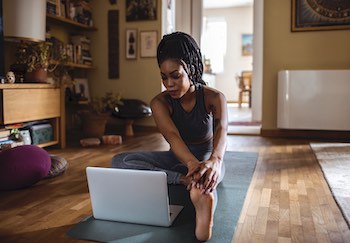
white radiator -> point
(314, 99)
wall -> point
(188, 17)
(284, 49)
(239, 21)
(139, 78)
(258, 47)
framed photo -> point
(247, 44)
(148, 43)
(137, 10)
(310, 15)
(131, 44)
(81, 90)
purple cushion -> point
(23, 166)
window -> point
(213, 42)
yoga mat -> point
(231, 194)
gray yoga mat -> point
(231, 193)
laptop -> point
(131, 196)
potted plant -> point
(94, 119)
(38, 60)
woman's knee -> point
(118, 160)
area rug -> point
(334, 159)
(231, 193)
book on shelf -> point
(51, 7)
(79, 39)
(4, 132)
(24, 124)
(81, 54)
(7, 144)
(7, 141)
(56, 7)
(2, 139)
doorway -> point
(187, 16)
(226, 43)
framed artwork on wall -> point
(311, 15)
(247, 44)
(148, 43)
(81, 89)
(113, 44)
(131, 44)
(140, 10)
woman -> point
(193, 119)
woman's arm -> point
(161, 114)
(208, 173)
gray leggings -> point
(163, 161)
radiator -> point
(314, 100)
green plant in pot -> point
(38, 60)
(94, 119)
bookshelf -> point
(69, 24)
(70, 27)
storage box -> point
(41, 133)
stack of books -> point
(76, 10)
(5, 141)
(81, 49)
(51, 7)
(4, 135)
(83, 12)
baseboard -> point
(307, 134)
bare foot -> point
(203, 204)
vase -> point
(38, 75)
(94, 125)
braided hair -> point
(183, 47)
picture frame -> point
(313, 15)
(81, 90)
(247, 44)
(137, 10)
(148, 43)
(131, 44)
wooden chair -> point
(245, 87)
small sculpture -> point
(10, 77)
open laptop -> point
(131, 196)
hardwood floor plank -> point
(261, 221)
(265, 197)
(271, 231)
(284, 240)
(284, 223)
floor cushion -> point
(23, 166)
(58, 166)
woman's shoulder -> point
(160, 99)
(212, 93)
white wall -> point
(188, 17)
(258, 60)
(239, 21)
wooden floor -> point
(288, 199)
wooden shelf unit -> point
(74, 65)
(63, 28)
(70, 22)
(34, 102)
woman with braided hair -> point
(193, 119)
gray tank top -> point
(194, 126)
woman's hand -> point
(205, 175)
